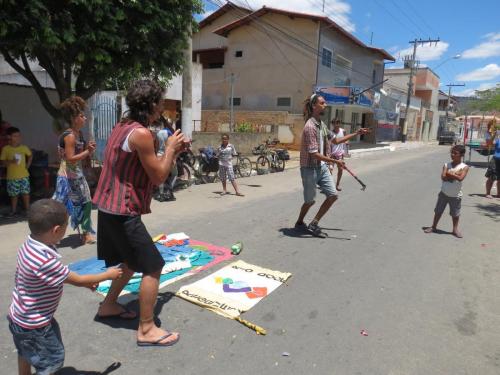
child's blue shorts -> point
(41, 347)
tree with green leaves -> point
(83, 44)
(489, 100)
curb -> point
(362, 152)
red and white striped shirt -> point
(38, 285)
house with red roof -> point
(270, 60)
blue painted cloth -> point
(197, 256)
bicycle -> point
(243, 166)
(269, 160)
(206, 166)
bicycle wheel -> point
(280, 165)
(262, 165)
(186, 173)
(190, 159)
(245, 167)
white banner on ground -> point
(233, 289)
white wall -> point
(21, 108)
(174, 90)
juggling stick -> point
(363, 186)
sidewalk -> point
(360, 150)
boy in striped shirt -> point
(38, 289)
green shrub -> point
(244, 127)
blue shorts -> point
(42, 347)
(20, 186)
(321, 176)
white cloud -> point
(489, 48)
(337, 10)
(393, 49)
(427, 52)
(472, 91)
(486, 73)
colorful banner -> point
(234, 289)
(180, 261)
(341, 95)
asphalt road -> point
(429, 302)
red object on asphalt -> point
(364, 333)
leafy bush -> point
(244, 127)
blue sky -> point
(471, 29)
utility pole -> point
(411, 61)
(231, 118)
(448, 103)
(187, 89)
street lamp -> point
(457, 56)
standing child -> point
(337, 150)
(38, 288)
(17, 157)
(452, 176)
(225, 153)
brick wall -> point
(216, 121)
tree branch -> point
(86, 93)
(28, 74)
(55, 74)
(81, 90)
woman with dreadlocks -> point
(314, 164)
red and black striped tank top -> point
(124, 188)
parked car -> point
(447, 137)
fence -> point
(105, 113)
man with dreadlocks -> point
(314, 164)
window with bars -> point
(326, 57)
(342, 69)
(284, 102)
(236, 101)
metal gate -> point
(105, 114)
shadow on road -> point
(438, 231)
(133, 305)
(73, 241)
(5, 220)
(73, 371)
(292, 232)
(255, 186)
(489, 210)
(477, 195)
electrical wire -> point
(296, 42)
(407, 16)
(395, 18)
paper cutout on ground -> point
(180, 261)
(234, 289)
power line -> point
(418, 15)
(412, 62)
(407, 16)
(274, 42)
(395, 18)
(292, 41)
